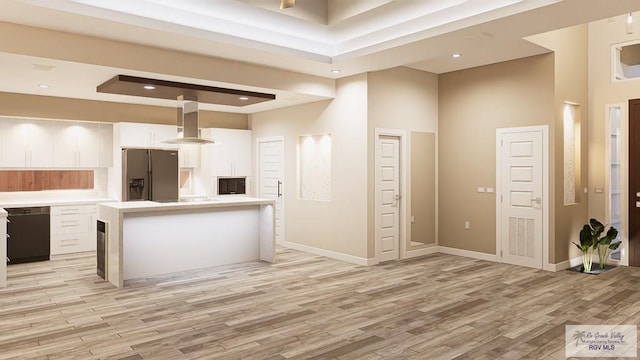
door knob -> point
(396, 198)
(537, 200)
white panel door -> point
(521, 179)
(270, 178)
(388, 198)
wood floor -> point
(308, 307)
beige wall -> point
(338, 225)
(474, 103)
(405, 99)
(570, 47)
(424, 190)
(48, 107)
(602, 92)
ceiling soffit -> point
(392, 23)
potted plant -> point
(605, 245)
(591, 240)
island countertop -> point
(144, 206)
(147, 238)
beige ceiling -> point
(307, 42)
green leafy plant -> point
(605, 245)
(590, 238)
(586, 243)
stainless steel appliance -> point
(28, 234)
(150, 174)
(232, 185)
(101, 259)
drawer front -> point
(69, 224)
(70, 243)
(67, 243)
(72, 210)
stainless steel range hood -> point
(189, 123)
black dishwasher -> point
(28, 234)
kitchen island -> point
(146, 238)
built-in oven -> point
(232, 185)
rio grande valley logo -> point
(601, 341)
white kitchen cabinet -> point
(147, 135)
(26, 143)
(106, 145)
(73, 229)
(76, 144)
(189, 155)
(230, 155)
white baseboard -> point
(564, 265)
(330, 254)
(433, 249)
(467, 253)
(421, 252)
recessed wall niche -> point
(625, 61)
(314, 167)
(571, 154)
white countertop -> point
(145, 206)
(53, 202)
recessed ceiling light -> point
(149, 87)
(456, 55)
(43, 86)
(244, 98)
(41, 67)
(335, 71)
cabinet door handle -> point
(279, 190)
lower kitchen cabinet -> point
(73, 229)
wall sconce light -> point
(630, 23)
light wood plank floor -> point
(308, 307)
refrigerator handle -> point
(149, 177)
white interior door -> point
(521, 169)
(270, 178)
(387, 198)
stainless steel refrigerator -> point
(150, 174)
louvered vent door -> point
(521, 206)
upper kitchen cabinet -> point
(106, 145)
(230, 155)
(138, 135)
(26, 143)
(82, 144)
(76, 144)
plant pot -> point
(595, 269)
